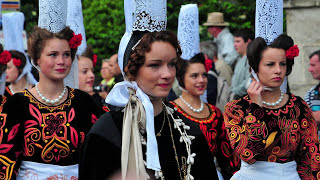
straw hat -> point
(215, 19)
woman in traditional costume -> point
(146, 138)
(273, 133)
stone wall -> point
(303, 25)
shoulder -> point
(109, 127)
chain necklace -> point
(275, 103)
(164, 121)
(49, 100)
(192, 108)
(174, 148)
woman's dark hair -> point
(198, 58)
(39, 36)
(3, 67)
(137, 57)
(21, 56)
(259, 45)
(88, 53)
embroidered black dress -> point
(214, 130)
(101, 155)
(278, 135)
(38, 133)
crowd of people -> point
(228, 118)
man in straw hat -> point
(218, 28)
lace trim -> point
(52, 15)
(40, 105)
(150, 15)
(269, 19)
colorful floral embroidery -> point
(278, 135)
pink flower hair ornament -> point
(5, 57)
(16, 62)
(292, 52)
(75, 41)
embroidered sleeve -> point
(308, 154)
(11, 139)
(227, 160)
(247, 130)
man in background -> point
(312, 96)
(218, 28)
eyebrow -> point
(159, 60)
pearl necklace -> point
(192, 108)
(275, 103)
(48, 100)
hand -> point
(254, 91)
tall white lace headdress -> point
(3, 75)
(269, 24)
(188, 31)
(53, 17)
(141, 16)
(75, 22)
(13, 40)
(188, 34)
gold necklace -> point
(174, 148)
(164, 120)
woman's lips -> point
(164, 85)
(61, 70)
(277, 78)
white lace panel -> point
(75, 22)
(188, 31)
(269, 19)
(2, 83)
(150, 15)
(52, 14)
(12, 31)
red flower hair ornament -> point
(16, 62)
(75, 41)
(208, 64)
(5, 57)
(94, 60)
(292, 52)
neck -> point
(194, 101)
(20, 85)
(271, 96)
(49, 88)
(157, 105)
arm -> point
(307, 157)
(247, 130)
(228, 162)
(11, 138)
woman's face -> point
(195, 79)
(55, 59)
(156, 76)
(86, 76)
(12, 72)
(272, 67)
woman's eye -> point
(154, 65)
(205, 75)
(53, 54)
(270, 64)
(173, 64)
(67, 54)
(194, 75)
(283, 64)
